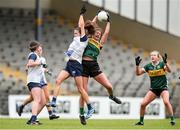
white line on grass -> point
(93, 129)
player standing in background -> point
(74, 66)
(90, 65)
(45, 89)
(159, 88)
(34, 76)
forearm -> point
(107, 29)
(106, 33)
(168, 69)
(81, 21)
(33, 64)
(139, 71)
(94, 19)
(81, 25)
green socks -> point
(172, 119)
(142, 119)
(81, 111)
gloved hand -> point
(83, 10)
(165, 58)
(108, 19)
(138, 60)
(44, 65)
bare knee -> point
(80, 90)
(166, 103)
(143, 105)
(47, 99)
(38, 100)
(109, 87)
(57, 82)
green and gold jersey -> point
(157, 75)
(92, 49)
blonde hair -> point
(157, 53)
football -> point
(102, 16)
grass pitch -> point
(92, 124)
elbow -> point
(137, 74)
(106, 33)
(81, 25)
(169, 71)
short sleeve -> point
(84, 38)
(146, 68)
(32, 57)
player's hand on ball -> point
(108, 17)
(165, 58)
(138, 60)
(83, 10)
(103, 16)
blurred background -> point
(137, 28)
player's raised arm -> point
(139, 70)
(106, 32)
(81, 20)
(167, 66)
(94, 19)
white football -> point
(102, 16)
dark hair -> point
(34, 45)
(89, 27)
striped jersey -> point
(157, 75)
(93, 49)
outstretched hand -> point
(165, 58)
(138, 60)
(83, 10)
(108, 19)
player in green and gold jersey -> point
(90, 65)
(156, 70)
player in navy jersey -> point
(34, 76)
(46, 92)
(74, 65)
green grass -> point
(62, 124)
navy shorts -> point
(74, 68)
(42, 83)
(33, 85)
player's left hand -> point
(165, 58)
(138, 60)
(108, 19)
(83, 10)
(44, 65)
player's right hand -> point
(44, 65)
(108, 19)
(138, 60)
(83, 10)
(165, 58)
